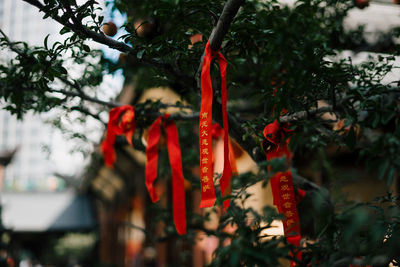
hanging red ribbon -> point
(206, 172)
(121, 122)
(175, 160)
(225, 186)
(282, 183)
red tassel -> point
(206, 172)
(121, 122)
(175, 160)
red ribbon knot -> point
(278, 139)
(121, 122)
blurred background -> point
(46, 217)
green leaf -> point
(46, 40)
(382, 169)
(376, 120)
(386, 117)
(351, 138)
(390, 176)
(139, 54)
(86, 48)
(64, 30)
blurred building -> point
(38, 219)
(22, 22)
(30, 168)
(41, 149)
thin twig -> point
(88, 113)
(304, 114)
(86, 97)
(83, 31)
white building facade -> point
(30, 168)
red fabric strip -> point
(175, 160)
(284, 199)
(121, 122)
(152, 158)
(282, 183)
(178, 184)
(225, 185)
(206, 173)
(225, 181)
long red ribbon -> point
(282, 183)
(121, 122)
(175, 160)
(206, 168)
(226, 188)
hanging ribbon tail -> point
(228, 189)
(152, 158)
(178, 184)
(225, 182)
(287, 206)
(107, 148)
(205, 138)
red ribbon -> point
(121, 122)
(278, 146)
(226, 189)
(175, 160)
(282, 183)
(206, 168)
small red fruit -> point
(361, 4)
(144, 28)
(109, 29)
(198, 37)
(122, 58)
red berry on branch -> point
(361, 4)
(109, 29)
(144, 28)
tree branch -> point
(120, 46)
(86, 97)
(218, 33)
(88, 113)
(224, 22)
(301, 115)
(98, 37)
